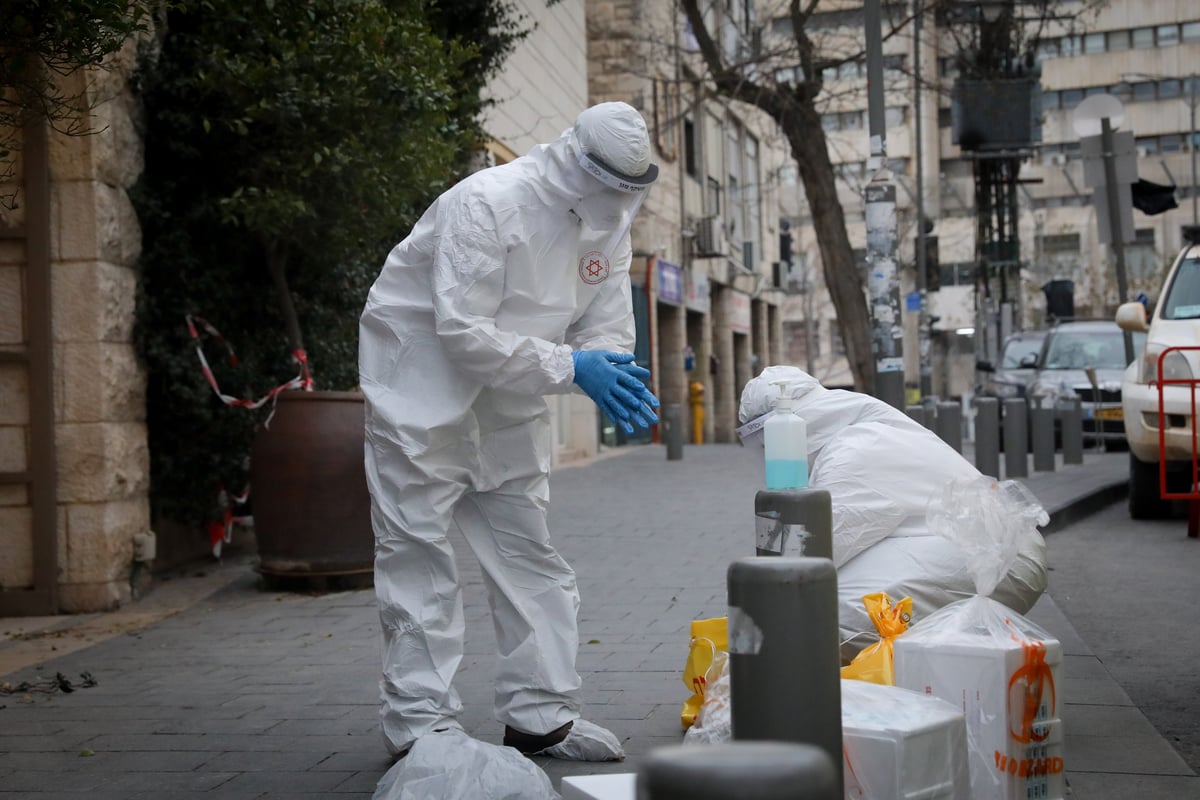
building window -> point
(1093, 43)
(712, 196)
(893, 117)
(1051, 101)
(1118, 40)
(1147, 145)
(1170, 143)
(945, 118)
(1143, 38)
(1190, 32)
(1061, 244)
(1169, 88)
(1071, 98)
(1143, 92)
(1168, 35)
(690, 160)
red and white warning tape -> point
(302, 381)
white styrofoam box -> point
(1011, 731)
(902, 745)
(615, 786)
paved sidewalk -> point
(250, 694)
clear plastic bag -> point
(714, 722)
(452, 764)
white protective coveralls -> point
(883, 470)
(473, 318)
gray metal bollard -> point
(784, 664)
(916, 413)
(1070, 413)
(795, 523)
(987, 436)
(1041, 419)
(1016, 438)
(949, 424)
(745, 770)
(672, 419)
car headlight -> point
(1175, 366)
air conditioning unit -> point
(710, 238)
(1058, 159)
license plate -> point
(1110, 413)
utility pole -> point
(882, 280)
(925, 369)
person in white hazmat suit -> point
(514, 284)
(883, 471)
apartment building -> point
(708, 292)
(1145, 54)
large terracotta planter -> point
(312, 513)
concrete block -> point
(16, 547)
(13, 454)
(100, 539)
(93, 221)
(93, 301)
(12, 311)
(99, 382)
(102, 461)
(82, 598)
(14, 394)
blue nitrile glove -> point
(612, 381)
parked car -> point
(1015, 367)
(1086, 359)
(1175, 323)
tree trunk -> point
(276, 266)
(842, 276)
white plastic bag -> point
(451, 764)
(714, 721)
(1001, 668)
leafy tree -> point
(288, 146)
(43, 42)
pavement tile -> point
(1135, 787)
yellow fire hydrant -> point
(696, 400)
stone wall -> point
(99, 403)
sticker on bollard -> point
(774, 537)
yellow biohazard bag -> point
(874, 664)
(708, 636)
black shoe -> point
(529, 743)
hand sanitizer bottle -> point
(785, 439)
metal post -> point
(1071, 421)
(917, 413)
(672, 421)
(987, 436)
(949, 424)
(1016, 438)
(925, 367)
(762, 770)
(1193, 143)
(784, 665)
(795, 523)
(1042, 419)
(1114, 219)
(880, 195)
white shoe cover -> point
(586, 741)
(451, 764)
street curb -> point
(1085, 505)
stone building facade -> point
(98, 437)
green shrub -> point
(296, 141)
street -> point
(1128, 587)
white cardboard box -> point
(901, 745)
(1011, 708)
(615, 786)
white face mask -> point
(609, 212)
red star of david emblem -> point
(593, 267)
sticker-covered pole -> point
(795, 523)
(784, 666)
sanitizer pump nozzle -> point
(785, 440)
